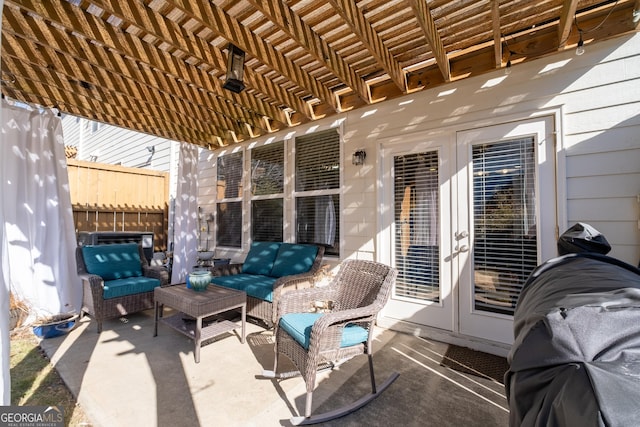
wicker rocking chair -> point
(318, 328)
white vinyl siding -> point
(114, 145)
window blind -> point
(229, 175)
(267, 187)
(318, 161)
(267, 169)
(229, 221)
(266, 220)
(417, 225)
(229, 213)
(505, 247)
(317, 169)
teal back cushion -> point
(294, 259)
(298, 326)
(117, 261)
(260, 258)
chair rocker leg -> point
(345, 410)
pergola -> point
(159, 66)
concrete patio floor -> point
(125, 376)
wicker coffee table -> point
(199, 305)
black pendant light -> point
(235, 70)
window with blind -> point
(505, 247)
(267, 188)
(317, 189)
(229, 200)
(416, 211)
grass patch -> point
(35, 382)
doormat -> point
(475, 362)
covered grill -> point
(575, 360)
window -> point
(229, 200)
(416, 208)
(505, 250)
(267, 189)
(317, 189)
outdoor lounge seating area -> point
(313, 182)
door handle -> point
(463, 248)
(461, 235)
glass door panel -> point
(416, 210)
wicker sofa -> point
(269, 270)
(116, 280)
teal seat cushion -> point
(128, 286)
(260, 258)
(116, 261)
(255, 285)
(298, 326)
(294, 259)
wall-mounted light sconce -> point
(235, 70)
(358, 157)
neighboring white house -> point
(464, 187)
(103, 143)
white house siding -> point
(114, 145)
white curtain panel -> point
(185, 249)
(37, 235)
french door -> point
(507, 219)
(472, 215)
(417, 175)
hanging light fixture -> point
(235, 69)
(580, 47)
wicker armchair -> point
(93, 286)
(318, 327)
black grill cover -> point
(575, 360)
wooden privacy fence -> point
(116, 198)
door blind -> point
(505, 246)
(417, 225)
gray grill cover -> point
(576, 356)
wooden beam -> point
(566, 21)
(291, 23)
(497, 32)
(428, 26)
(229, 28)
(359, 26)
(636, 15)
